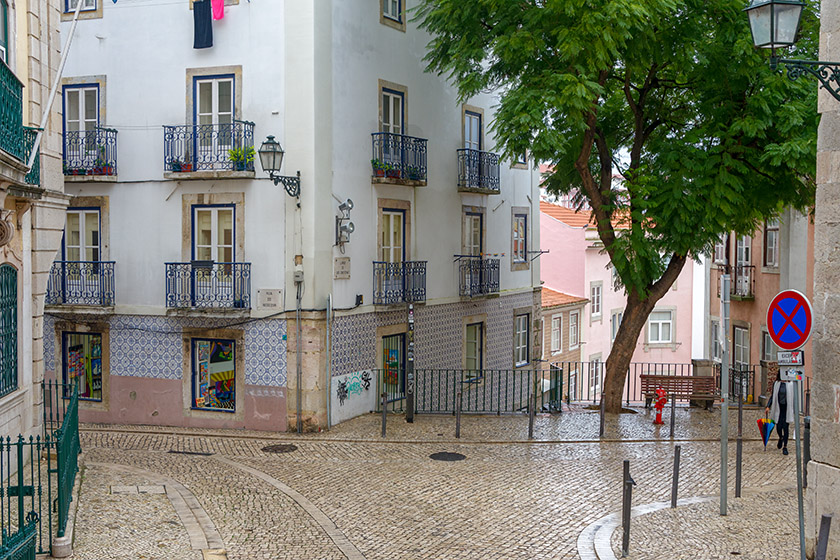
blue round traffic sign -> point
(789, 319)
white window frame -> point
(392, 9)
(596, 291)
(95, 248)
(767, 342)
(714, 335)
(720, 251)
(473, 130)
(740, 347)
(574, 330)
(215, 246)
(521, 323)
(771, 243)
(390, 99)
(615, 323)
(391, 251)
(473, 233)
(87, 5)
(659, 323)
(520, 238)
(557, 333)
(595, 367)
(477, 345)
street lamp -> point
(774, 24)
(271, 158)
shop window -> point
(83, 363)
(214, 374)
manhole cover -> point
(280, 448)
(447, 456)
(202, 453)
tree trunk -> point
(635, 315)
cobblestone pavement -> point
(349, 494)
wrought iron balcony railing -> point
(34, 175)
(81, 283)
(208, 285)
(399, 282)
(209, 147)
(478, 171)
(742, 284)
(397, 156)
(478, 276)
(11, 113)
(90, 152)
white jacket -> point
(790, 394)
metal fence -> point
(81, 283)
(398, 156)
(477, 276)
(33, 177)
(208, 284)
(398, 282)
(478, 171)
(90, 152)
(207, 147)
(11, 113)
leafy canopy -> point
(670, 95)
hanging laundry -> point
(218, 9)
(203, 24)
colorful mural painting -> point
(83, 363)
(214, 383)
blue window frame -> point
(473, 131)
(214, 374)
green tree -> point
(669, 94)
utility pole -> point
(724, 389)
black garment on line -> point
(202, 14)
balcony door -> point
(393, 107)
(393, 366)
(214, 115)
(742, 262)
(81, 269)
(474, 248)
(213, 268)
(472, 130)
(81, 121)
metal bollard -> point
(626, 504)
(822, 540)
(458, 415)
(601, 427)
(806, 448)
(675, 481)
(384, 411)
(532, 408)
(739, 447)
(673, 418)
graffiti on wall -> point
(354, 384)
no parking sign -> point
(789, 319)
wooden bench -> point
(679, 387)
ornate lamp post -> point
(271, 158)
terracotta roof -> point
(565, 215)
(551, 298)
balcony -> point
(478, 172)
(478, 276)
(399, 282)
(11, 113)
(202, 151)
(742, 283)
(33, 177)
(208, 285)
(81, 283)
(398, 159)
(90, 155)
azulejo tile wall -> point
(150, 346)
(437, 334)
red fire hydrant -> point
(661, 399)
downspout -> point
(34, 153)
(327, 385)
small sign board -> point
(270, 300)
(792, 358)
(790, 374)
(341, 268)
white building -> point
(174, 298)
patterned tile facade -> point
(150, 346)
(437, 334)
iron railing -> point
(478, 171)
(477, 276)
(81, 283)
(208, 284)
(33, 177)
(11, 113)
(67, 449)
(399, 282)
(398, 156)
(208, 147)
(26, 494)
(742, 285)
(90, 152)
(22, 544)
(742, 382)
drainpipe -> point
(327, 385)
(299, 327)
(54, 89)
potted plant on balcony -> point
(241, 157)
(379, 167)
(414, 172)
(392, 172)
(101, 166)
(178, 165)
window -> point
(520, 238)
(720, 250)
(595, 372)
(771, 243)
(660, 327)
(393, 364)
(393, 235)
(574, 336)
(4, 31)
(743, 250)
(70, 5)
(714, 334)
(556, 333)
(473, 228)
(392, 111)
(214, 374)
(81, 235)
(741, 348)
(8, 330)
(595, 299)
(520, 339)
(83, 363)
(768, 348)
(472, 130)
(615, 323)
(213, 233)
(474, 358)
(81, 120)
(521, 159)
(392, 9)
(214, 114)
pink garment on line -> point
(218, 9)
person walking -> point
(780, 408)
